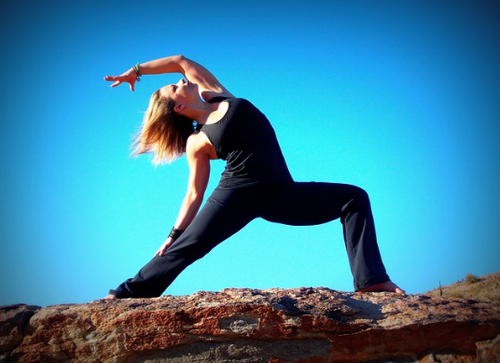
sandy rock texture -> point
(303, 325)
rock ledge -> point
(243, 325)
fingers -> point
(112, 78)
(119, 80)
(161, 251)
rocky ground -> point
(242, 325)
(484, 288)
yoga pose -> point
(198, 116)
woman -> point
(255, 183)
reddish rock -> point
(305, 325)
(13, 319)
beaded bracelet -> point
(137, 72)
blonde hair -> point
(164, 133)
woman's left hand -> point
(129, 77)
(164, 247)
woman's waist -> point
(230, 179)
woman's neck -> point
(202, 112)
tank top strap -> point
(218, 99)
(197, 126)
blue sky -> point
(400, 98)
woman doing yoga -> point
(255, 183)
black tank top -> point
(245, 139)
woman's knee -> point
(362, 194)
(359, 197)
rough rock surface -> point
(242, 325)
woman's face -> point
(181, 92)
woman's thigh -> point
(309, 203)
(224, 213)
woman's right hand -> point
(161, 251)
(129, 77)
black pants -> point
(229, 210)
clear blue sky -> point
(398, 97)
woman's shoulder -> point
(198, 143)
(194, 142)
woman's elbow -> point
(182, 59)
(195, 196)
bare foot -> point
(388, 286)
(110, 297)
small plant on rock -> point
(470, 278)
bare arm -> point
(190, 69)
(208, 84)
(199, 173)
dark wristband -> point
(175, 233)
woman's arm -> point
(208, 84)
(199, 172)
